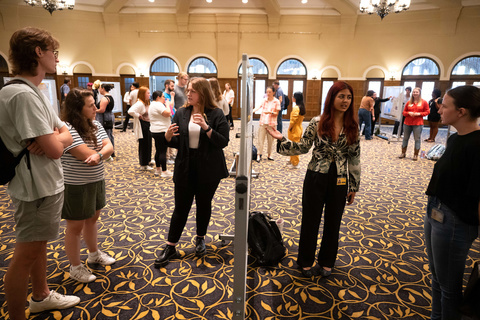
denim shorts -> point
(38, 220)
(82, 201)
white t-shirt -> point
(77, 172)
(126, 98)
(193, 134)
(229, 96)
(133, 96)
(223, 104)
(158, 123)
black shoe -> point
(167, 253)
(309, 273)
(325, 273)
(271, 159)
(200, 248)
(259, 157)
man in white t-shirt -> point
(134, 93)
(27, 119)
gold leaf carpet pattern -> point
(381, 270)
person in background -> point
(434, 116)
(295, 129)
(36, 190)
(134, 93)
(415, 109)
(159, 122)
(180, 97)
(377, 110)
(141, 128)
(453, 209)
(126, 99)
(84, 176)
(200, 132)
(90, 86)
(406, 98)
(169, 94)
(65, 89)
(279, 96)
(270, 108)
(229, 95)
(366, 113)
(219, 98)
(104, 113)
(332, 178)
(96, 86)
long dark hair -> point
(299, 101)
(207, 99)
(72, 113)
(326, 125)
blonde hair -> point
(419, 97)
(203, 88)
(97, 84)
(181, 74)
(215, 89)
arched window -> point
(258, 66)
(292, 75)
(202, 67)
(421, 67)
(163, 68)
(292, 67)
(260, 72)
(424, 73)
(466, 71)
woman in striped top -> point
(84, 177)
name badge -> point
(341, 181)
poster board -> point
(48, 88)
(117, 96)
(393, 108)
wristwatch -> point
(101, 155)
(208, 130)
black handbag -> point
(471, 297)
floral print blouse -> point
(325, 152)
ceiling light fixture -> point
(304, 1)
(383, 7)
(245, 1)
(52, 5)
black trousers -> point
(127, 118)
(145, 144)
(396, 125)
(229, 116)
(321, 190)
(160, 150)
(184, 194)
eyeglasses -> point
(55, 53)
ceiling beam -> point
(114, 6)
(344, 7)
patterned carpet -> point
(381, 271)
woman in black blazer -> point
(200, 132)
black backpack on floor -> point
(264, 239)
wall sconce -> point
(392, 75)
(64, 69)
(314, 74)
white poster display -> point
(48, 87)
(393, 108)
(116, 94)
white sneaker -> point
(81, 273)
(101, 258)
(109, 159)
(166, 174)
(152, 163)
(55, 301)
(170, 161)
(394, 136)
(157, 173)
(146, 168)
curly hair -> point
(72, 113)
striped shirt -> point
(77, 172)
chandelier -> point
(52, 5)
(383, 7)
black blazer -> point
(210, 150)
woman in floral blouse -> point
(332, 178)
